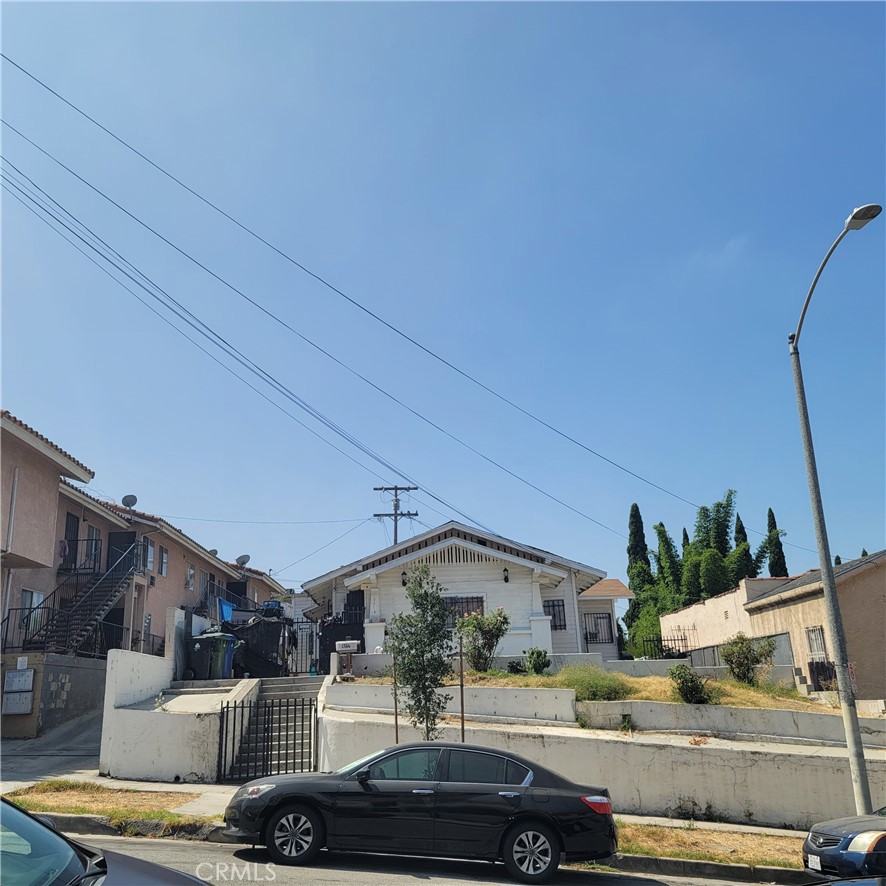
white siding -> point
(609, 650)
(563, 641)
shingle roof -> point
(26, 427)
(813, 576)
(608, 587)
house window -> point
(815, 640)
(598, 627)
(93, 546)
(458, 606)
(189, 581)
(164, 561)
(150, 550)
(557, 611)
(31, 620)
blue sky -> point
(607, 213)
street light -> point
(858, 772)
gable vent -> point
(455, 556)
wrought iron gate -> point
(267, 737)
(303, 643)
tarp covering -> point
(264, 648)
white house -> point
(555, 603)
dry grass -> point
(728, 692)
(728, 847)
(87, 798)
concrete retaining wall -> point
(550, 705)
(141, 740)
(735, 723)
(777, 785)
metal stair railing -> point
(53, 626)
(26, 626)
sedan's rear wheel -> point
(294, 835)
(531, 853)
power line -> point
(323, 547)
(220, 342)
(270, 314)
(345, 296)
(262, 522)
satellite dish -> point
(243, 559)
(214, 552)
(129, 501)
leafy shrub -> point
(592, 683)
(537, 661)
(482, 634)
(745, 656)
(691, 688)
(516, 667)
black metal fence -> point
(267, 737)
(676, 645)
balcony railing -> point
(83, 556)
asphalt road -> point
(220, 863)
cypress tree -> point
(669, 570)
(740, 561)
(640, 578)
(721, 519)
(713, 573)
(685, 539)
(837, 560)
(864, 553)
(778, 567)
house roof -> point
(275, 585)
(609, 587)
(174, 531)
(415, 545)
(78, 494)
(812, 578)
(67, 464)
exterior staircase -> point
(281, 733)
(71, 622)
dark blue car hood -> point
(846, 827)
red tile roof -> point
(17, 421)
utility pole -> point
(397, 514)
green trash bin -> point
(222, 655)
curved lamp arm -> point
(794, 337)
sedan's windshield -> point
(32, 854)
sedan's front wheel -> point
(294, 835)
(531, 853)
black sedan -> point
(847, 847)
(433, 798)
(32, 851)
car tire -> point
(295, 835)
(531, 852)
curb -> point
(708, 870)
(97, 825)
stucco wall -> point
(778, 785)
(554, 705)
(36, 502)
(728, 722)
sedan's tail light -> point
(603, 805)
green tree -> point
(668, 571)
(837, 560)
(721, 522)
(482, 634)
(864, 553)
(420, 643)
(714, 574)
(690, 583)
(778, 567)
(685, 539)
(640, 577)
(740, 560)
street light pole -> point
(857, 769)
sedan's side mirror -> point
(362, 775)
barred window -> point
(557, 611)
(458, 606)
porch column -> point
(539, 623)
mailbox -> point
(347, 646)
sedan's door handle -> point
(509, 793)
(422, 791)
